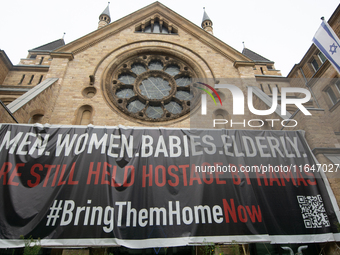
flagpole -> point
(327, 41)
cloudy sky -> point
(278, 30)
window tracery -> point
(152, 87)
(156, 25)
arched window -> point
(84, 115)
(157, 26)
(36, 118)
(266, 125)
(221, 118)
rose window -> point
(152, 87)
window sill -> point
(336, 105)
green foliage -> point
(32, 247)
(208, 248)
(337, 224)
(212, 249)
(218, 250)
(235, 248)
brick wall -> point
(4, 66)
(94, 60)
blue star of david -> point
(332, 48)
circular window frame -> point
(86, 92)
(111, 85)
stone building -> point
(90, 81)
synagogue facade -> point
(143, 71)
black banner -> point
(147, 187)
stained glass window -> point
(155, 88)
(183, 81)
(138, 68)
(172, 70)
(173, 107)
(184, 95)
(125, 93)
(151, 86)
(154, 112)
(155, 65)
(126, 78)
(135, 106)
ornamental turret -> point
(104, 18)
(207, 23)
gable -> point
(144, 18)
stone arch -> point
(119, 54)
(36, 116)
(223, 115)
(84, 115)
(266, 125)
(106, 68)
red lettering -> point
(113, 179)
(259, 175)
(145, 175)
(286, 176)
(70, 179)
(229, 210)
(4, 173)
(246, 174)
(163, 182)
(173, 184)
(236, 178)
(49, 168)
(211, 177)
(91, 172)
(273, 179)
(241, 212)
(240, 209)
(37, 176)
(127, 175)
(254, 214)
(60, 182)
(194, 176)
(104, 181)
(184, 171)
(300, 178)
(309, 174)
(55, 175)
(14, 174)
(210, 174)
(218, 181)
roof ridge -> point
(51, 45)
(254, 56)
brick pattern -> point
(3, 71)
(43, 104)
(24, 78)
(44, 60)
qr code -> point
(313, 211)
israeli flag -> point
(328, 43)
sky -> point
(280, 31)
